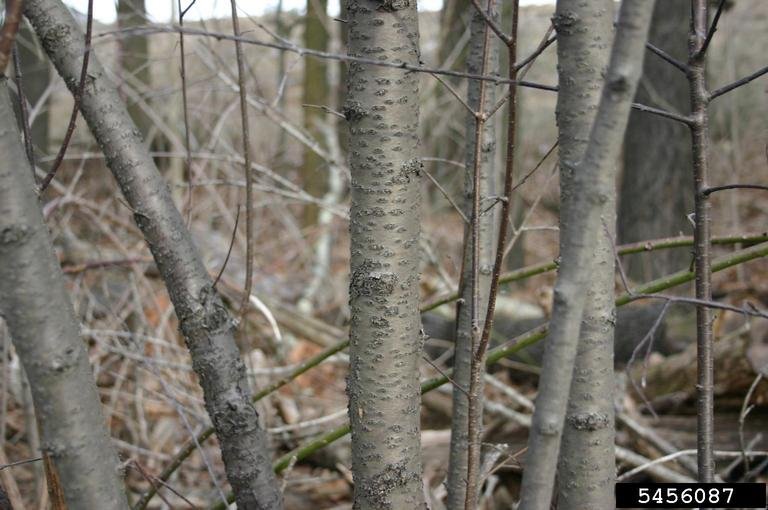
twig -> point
(712, 29)
(455, 94)
(738, 83)
(492, 23)
(158, 29)
(77, 96)
(667, 57)
(745, 410)
(229, 250)
(247, 157)
(673, 456)
(20, 463)
(447, 196)
(185, 110)
(448, 377)
(662, 113)
(13, 10)
(533, 171)
(713, 189)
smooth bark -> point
(482, 58)
(204, 321)
(385, 341)
(700, 98)
(590, 181)
(46, 335)
(587, 467)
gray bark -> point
(134, 56)
(385, 342)
(204, 321)
(488, 227)
(40, 318)
(653, 201)
(590, 182)
(587, 467)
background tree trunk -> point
(204, 321)
(385, 342)
(654, 199)
(587, 467)
(314, 171)
(133, 57)
(488, 223)
(45, 332)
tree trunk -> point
(133, 57)
(204, 321)
(587, 467)
(590, 181)
(488, 223)
(314, 171)
(385, 341)
(45, 332)
(653, 199)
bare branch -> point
(667, 57)
(492, 23)
(8, 31)
(158, 29)
(712, 29)
(662, 113)
(713, 189)
(738, 83)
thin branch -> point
(713, 189)
(492, 23)
(229, 250)
(447, 196)
(663, 113)
(538, 51)
(712, 29)
(10, 28)
(455, 94)
(546, 41)
(738, 83)
(667, 57)
(185, 110)
(162, 29)
(20, 463)
(247, 156)
(745, 410)
(77, 96)
(326, 109)
(450, 379)
(533, 171)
